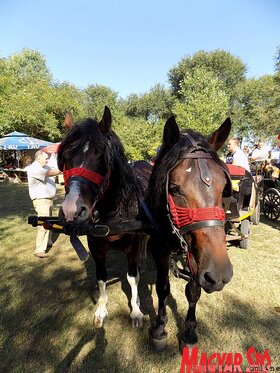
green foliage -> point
(256, 110)
(140, 138)
(277, 60)
(204, 103)
(27, 66)
(97, 97)
(30, 102)
(151, 106)
(205, 88)
(227, 68)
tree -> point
(226, 67)
(140, 138)
(256, 112)
(204, 104)
(97, 96)
(30, 102)
(27, 66)
(277, 60)
(151, 106)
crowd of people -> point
(249, 158)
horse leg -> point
(193, 292)
(99, 256)
(158, 333)
(133, 279)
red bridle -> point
(183, 216)
(92, 176)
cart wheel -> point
(271, 204)
(255, 217)
(244, 229)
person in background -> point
(275, 155)
(236, 156)
(42, 190)
(25, 160)
(260, 153)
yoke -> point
(56, 225)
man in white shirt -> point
(260, 153)
(236, 156)
(42, 190)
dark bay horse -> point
(185, 195)
(101, 187)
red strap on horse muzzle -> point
(183, 216)
(92, 176)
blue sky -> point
(130, 45)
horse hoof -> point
(183, 345)
(137, 323)
(158, 344)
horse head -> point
(193, 189)
(84, 159)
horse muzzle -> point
(74, 211)
(214, 279)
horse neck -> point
(112, 201)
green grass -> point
(47, 305)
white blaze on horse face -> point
(69, 205)
(85, 149)
(189, 169)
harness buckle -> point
(99, 230)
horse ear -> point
(171, 132)
(219, 137)
(106, 121)
(68, 120)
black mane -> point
(126, 185)
(167, 159)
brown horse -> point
(185, 195)
(102, 188)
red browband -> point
(81, 171)
(183, 216)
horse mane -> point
(88, 131)
(167, 159)
(128, 190)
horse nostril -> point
(208, 277)
(82, 213)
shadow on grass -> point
(15, 200)
(272, 224)
(47, 305)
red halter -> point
(85, 173)
(183, 216)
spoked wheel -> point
(244, 229)
(271, 204)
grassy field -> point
(47, 305)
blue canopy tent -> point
(18, 141)
(21, 141)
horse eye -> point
(174, 189)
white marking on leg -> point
(101, 311)
(135, 314)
